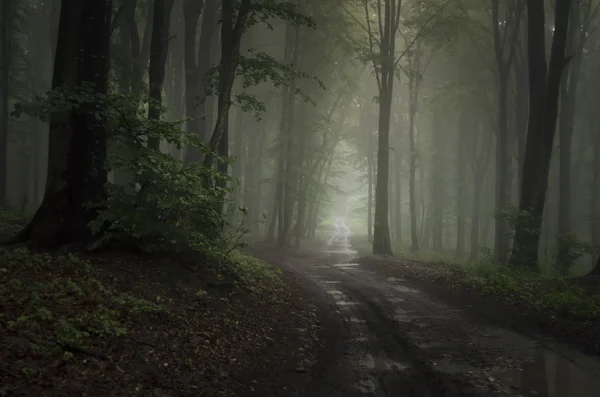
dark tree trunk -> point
(302, 183)
(232, 29)
(6, 15)
(544, 90)
(412, 111)
(566, 120)
(191, 16)
(290, 179)
(77, 147)
(159, 48)
(505, 37)
(195, 70)
(595, 200)
(237, 170)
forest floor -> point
(124, 324)
(328, 325)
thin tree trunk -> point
(159, 48)
(566, 119)
(412, 167)
(461, 175)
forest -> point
(145, 133)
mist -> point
(249, 151)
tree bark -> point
(77, 149)
(159, 48)
(461, 174)
(544, 89)
(414, 237)
(232, 29)
(196, 67)
(6, 38)
(504, 50)
(566, 120)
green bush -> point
(157, 203)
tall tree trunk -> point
(6, 38)
(77, 149)
(502, 165)
(302, 191)
(389, 20)
(566, 120)
(232, 29)
(237, 170)
(595, 201)
(461, 175)
(398, 198)
(412, 166)
(370, 176)
(158, 58)
(191, 16)
(544, 90)
(505, 43)
(290, 180)
(197, 102)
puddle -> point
(319, 266)
(551, 375)
(342, 252)
(357, 320)
(367, 386)
(346, 303)
(332, 282)
(396, 300)
(402, 288)
(335, 292)
(381, 364)
(346, 265)
(394, 279)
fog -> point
(432, 129)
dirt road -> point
(387, 337)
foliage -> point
(255, 274)
(51, 306)
(156, 203)
(518, 219)
(570, 249)
(11, 221)
(162, 205)
(558, 297)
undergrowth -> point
(56, 305)
(557, 297)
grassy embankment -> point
(574, 299)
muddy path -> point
(388, 337)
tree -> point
(198, 59)
(544, 90)
(159, 43)
(505, 35)
(77, 150)
(384, 65)
(6, 39)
